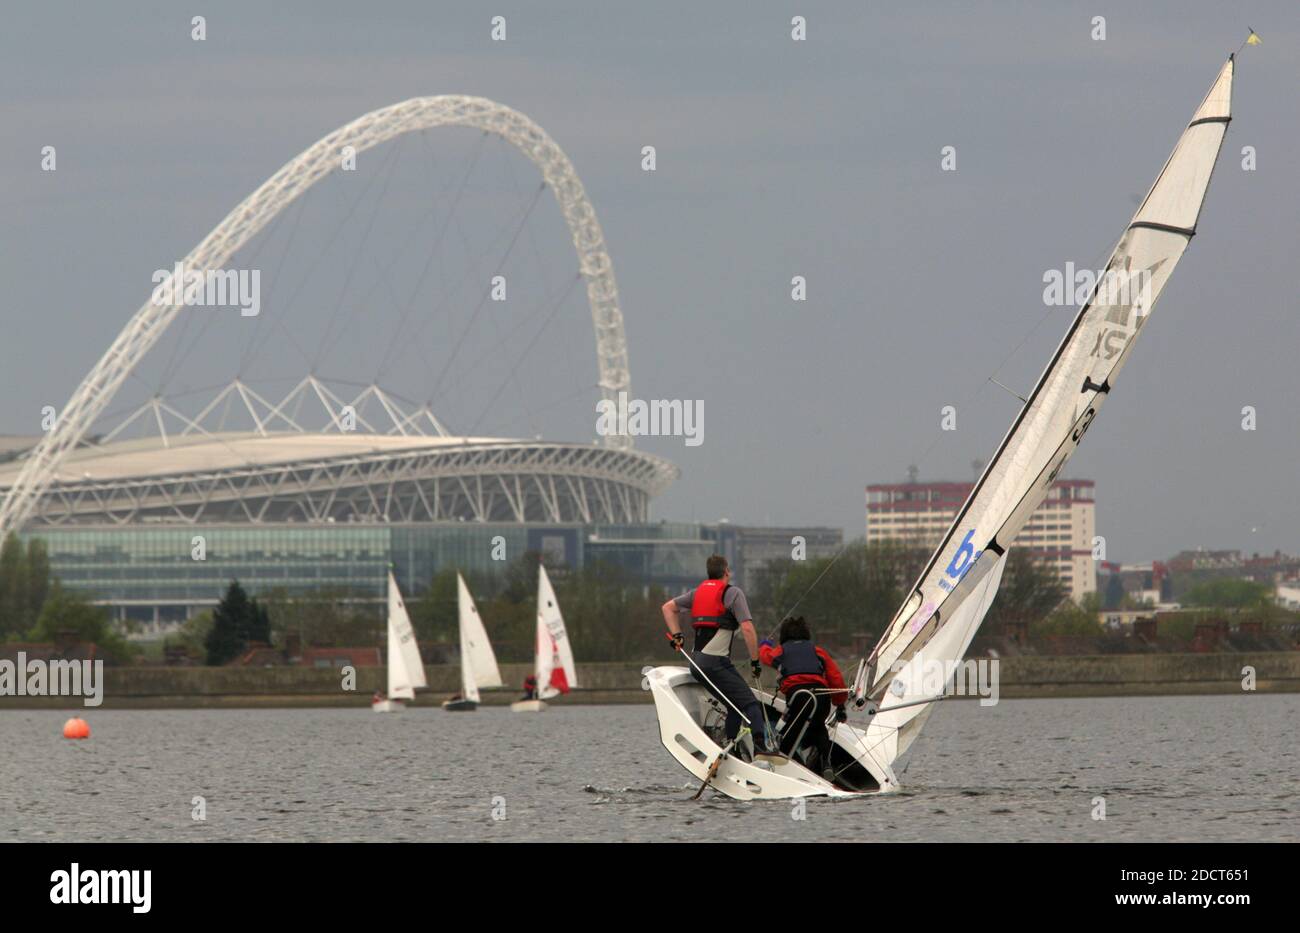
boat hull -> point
(528, 706)
(387, 706)
(687, 714)
(459, 706)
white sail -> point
(478, 665)
(949, 600)
(555, 670)
(405, 671)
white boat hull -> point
(387, 706)
(684, 708)
(528, 706)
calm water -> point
(1170, 768)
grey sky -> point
(775, 158)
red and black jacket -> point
(802, 664)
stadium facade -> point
(156, 529)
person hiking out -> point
(717, 610)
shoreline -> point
(1024, 677)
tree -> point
(24, 583)
(1070, 618)
(328, 617)
(65, 614)
(435, 614)
(608, 614)
(237, 621)
(38, 578)
(1030, 590)
(854, 593)
(193, 635)
(1230, 593)
(14, 615)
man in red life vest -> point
(811, 683)
(717, 611)
(530, 687)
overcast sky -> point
(775, 158)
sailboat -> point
(478, 665)
(405, 670)
(554, 668)
(944, 608)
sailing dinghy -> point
(554, 669)
(948, 602)
(478, 665)
(405, 670)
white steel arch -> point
(276, 193)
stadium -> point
(329, 482)
(153, 508)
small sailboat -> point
(405, 670)
(555, 672)
(894, 685)
(478, 665)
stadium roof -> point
(265, 478)
(146, 457)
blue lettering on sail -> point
(961, 561)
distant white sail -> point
(948, 602)
(478, 665)
(405, 671)
(555, 670)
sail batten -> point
(1057, 413)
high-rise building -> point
(1060, 531)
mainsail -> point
(949, 600)
(478, 665)
(405, 670)
(555, 671)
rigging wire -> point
(436, 249)
(386, 170)
(178, 357)
(487, 291)
(550, 317)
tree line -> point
(847, 598)
(36, 607)
(611, 616)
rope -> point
(820, 576)
(718, 692)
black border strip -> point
(1209, 120)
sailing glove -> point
(756, 668)
(678, 639)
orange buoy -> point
(76, 728)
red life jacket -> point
(708, 609)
